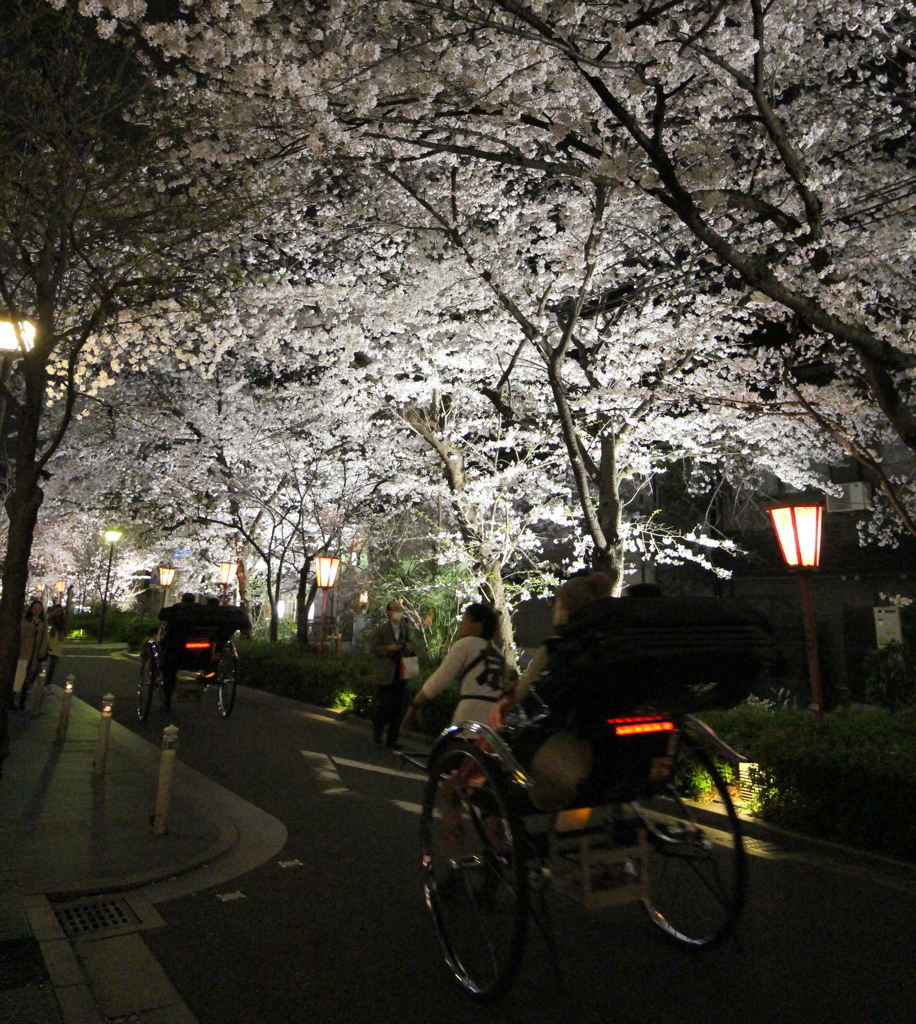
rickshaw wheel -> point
(475, 872)
(149, 680)
(227, 679)
(697, 871)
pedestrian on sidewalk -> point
(390, 643)
(33, 649)
(57, 629)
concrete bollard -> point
(101, 747)
(164, 789)
(39, 693)
(65, 703)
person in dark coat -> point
(390, 643)
(33, 649)
(57, 630)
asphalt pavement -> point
(330, 925)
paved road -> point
(344, 938)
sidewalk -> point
(70, 835)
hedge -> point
(851, 781)
(120, 627)
(339, 681)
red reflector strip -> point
(197, 645)
(639, 727)
(638, 718)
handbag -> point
(410, 668)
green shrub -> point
(120, 627)
(339, 681)
(850, 781)
(136, 634)
(890, 679)
(291, 670)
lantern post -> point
(326, 569)
(17, 337)
(227, 573)
(112, 537)
(166, 578)
(798, 530)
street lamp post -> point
(326, 569)
(227, 573)
(60, 586)
(112, 537)
(17, 337)
(166, 577)
(798, 530)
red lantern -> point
(326, 569)
(798, 530)
(227, 571)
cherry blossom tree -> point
(109, 217)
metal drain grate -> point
(86, 917)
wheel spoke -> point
(476, 890)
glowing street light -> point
(60, 586)
(326, 569)
(111, 538)
(227, 573)
(166, 577)
(798, 530)
(17, 337)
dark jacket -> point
(388, 663)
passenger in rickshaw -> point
(561, 761)
(180, 621)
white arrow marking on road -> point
(329, 781)
(378, 768)
(226, 896)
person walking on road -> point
(33, 650)
(390, 643)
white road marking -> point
(326, 775)
(406, 805)
(226, 896)
(378, 768)
(290, 863)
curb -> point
(227, 837)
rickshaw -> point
(630, 677)
(203, 650)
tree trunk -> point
(303, 602)
(494, 593)
(610, 515)
(241, 581)
(491, 587)
(22, 504)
